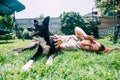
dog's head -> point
(40, 28)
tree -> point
(41, 16)
(7, 22)
(106, 6)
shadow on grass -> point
(6, 42)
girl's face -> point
(90, 45)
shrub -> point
(118, 40)
(26, 34)
(7, 22)
(92, 28)
(7, 36)
(22, 33)
(18, 32)
(110, 37)
(69, 21)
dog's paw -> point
(27, 66)
(49, 61)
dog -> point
(46, 43)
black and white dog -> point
(46, 43)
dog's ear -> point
(46, 21)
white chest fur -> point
(45, 47)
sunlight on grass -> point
(68, 65)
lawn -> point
(68, 65)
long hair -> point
(104, 49)
(108, 49)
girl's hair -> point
(101, 48)
(106, 49)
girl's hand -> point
(89, 38)
(58, 41)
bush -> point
(92, 28)
(22, 33)
(18, 32)
(69, 21)
(118, 40)
(7, 36)
(110, 37)
(26, 34)
(7, 22)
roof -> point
(8, 7)
(88, 14)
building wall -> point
(54, 24)
(106, 27)
(106, 22)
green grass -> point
(68, 65)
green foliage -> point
(26, 34)
(106, 6)
(7, 22)
(68, 65)
(91, 27)
(69, 21)
(118, 40)
(41, 16)
(7, 36)
(72, 19)
(110, 37)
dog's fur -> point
(46, 43)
